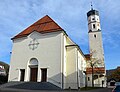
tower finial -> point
(91, 6)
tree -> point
(93, 63)
(115, 74)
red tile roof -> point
(96, 70)
(87, 56)
(44, 25)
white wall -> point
(63, 65)
(81, 69)
(89, 82)
(48, 55)
(75, 65)
(97, 82)
(96, 47)
(71, 68)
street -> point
(100, 90)
(96, 90)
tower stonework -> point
(96, 56)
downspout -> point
(77, 71)
(62, 57)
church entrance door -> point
(43, 75)
(33, 66)
(33, 74)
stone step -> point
(10, 84)
(30, 86)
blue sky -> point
(16, 15)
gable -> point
(44, 25)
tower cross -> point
(91, 6)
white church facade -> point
(43, 52)
(47, 55)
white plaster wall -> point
(48, 55)
(89, 83)
(97, 82)
(96, 47)
(69, 41)
(75, 63)
(64, 62)
(71, 68)
(81, 69)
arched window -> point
(33, 61)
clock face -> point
(33, 44)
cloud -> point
(16, 15)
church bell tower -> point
(95, 37)
(96, 50)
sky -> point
(17, 15)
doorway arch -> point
(33, 65)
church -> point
(44, 52)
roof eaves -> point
(15, 37)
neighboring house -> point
(113, 77)
(111, 83)
(2, 71)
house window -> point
(93, 25)
(88, 78)
(112, 83)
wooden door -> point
(43, 75)
(33, 74)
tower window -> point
(90, 30)
(93, 25)
(93, 18)
(95, 35)
(88, 78)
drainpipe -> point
(77, 71)
(62, 58)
